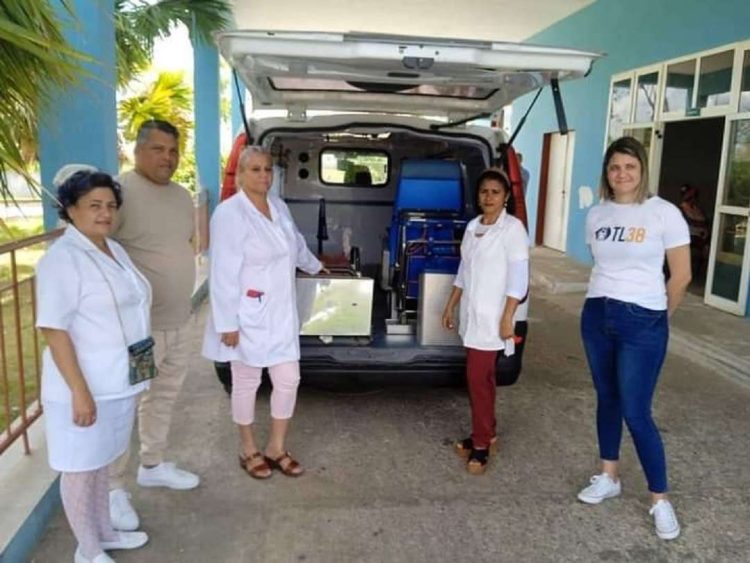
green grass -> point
(10, 357)
(21, 228)
(26, 260)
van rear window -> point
(356, 168)
(462, 91)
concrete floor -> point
(384, 485)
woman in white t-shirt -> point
(625, 320)
(92, 304)
(492, 280)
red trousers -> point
(480, 378)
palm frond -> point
(138, 24)
(35, 60)
(168, 98)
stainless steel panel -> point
(393, 326)
(434, 290)
(335, 305)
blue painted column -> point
(237, 125)
(207, 120)
(80, 125)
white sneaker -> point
(667, 526)
(602, 487)
(121, 512)
(101, 558)
(126, 540)
(167, 475)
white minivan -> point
(377, 157)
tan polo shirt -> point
(155, 225)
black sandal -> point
(477, 462)
(463, 447)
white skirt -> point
(73, 448)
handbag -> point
(508, 368)
(141, 363)
(142, 366)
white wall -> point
(499, 20)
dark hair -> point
(631, 147)
(155, 124)
(497, 175)
(81, 183)
(688, 192)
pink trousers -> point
(245, 383)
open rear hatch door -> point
(302, 71)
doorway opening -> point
(689, 178)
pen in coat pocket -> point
(254, 293)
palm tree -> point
(168, 98)
(138, 24)
(36, 60)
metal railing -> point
(20, 343)
(20, 347)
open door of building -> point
(690, 161)
(729, 262)
(554, 192)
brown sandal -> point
(463, 447)
(255, 470)
(286, 464)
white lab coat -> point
(252, 282)
(483, 276)
(72, 295)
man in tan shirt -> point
(156, 227)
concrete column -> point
(80, 125)
(207, 119)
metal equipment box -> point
(335, 305)
(434, 289)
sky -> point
(174, 52)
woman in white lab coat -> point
(253, 323)
(92, 304)
(492, 279)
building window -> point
(745, 93)
(729, 253)
(619, 111)
(643, 135)
(645, 102)
(678, 95)
(715, 81)
(737, 191)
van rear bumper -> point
(416, 367)
(388, 361)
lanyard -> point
(114, 298)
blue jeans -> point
(625, 346)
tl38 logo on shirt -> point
(621, 234)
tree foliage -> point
(138, 24)
(168, 98)
(35, 60)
